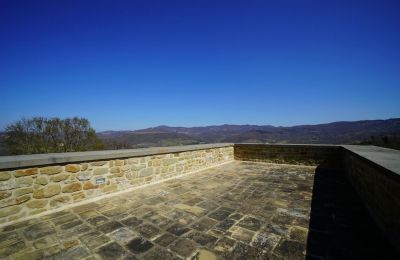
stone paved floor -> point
(239, 210)
(246, 210)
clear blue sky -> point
(135, 64)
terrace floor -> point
(240, 210)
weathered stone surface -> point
(138, 167)
(197, 211)
(72, 187)
(112, 251)
(47, 191)
(5, 194)
(59, 200)
(169, 161)
(84, 176)
(26, 172)
(59, 177)
(115, 169)
(5, 176)
(99, 163)
(139, 245)
(100, 171)
(78, 196)
(22, 199)
(146, 172)
(183, 247)
(250, 223)
(22, 191)
(72, 168)
(110, 188)
(41, 180)
(24, 181)
(88, 185)
(50, 170)
(84, 166)
(178, 229)
(119, 162)
(37, 203)
(205, 255)
(4, 212)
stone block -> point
(33, 204)
(59, 200)
(100, 171)
(26, 172)
(88, 185)
(50, 170)
(47, 191)
(5, 176)
(69, 188)
(84, 176)
(4, 212)
(99, 163)
(23, 191)
(146, 172)
(72, 168)
(59, 177)
(41, 180)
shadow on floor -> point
(340, 226)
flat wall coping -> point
(385, 157)
(18, 161)
(288, 145)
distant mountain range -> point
(331, 133)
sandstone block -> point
(146, 172)
(110, 188)
(119, 162)
(88, 185)
(84, 166)
(26, 172)
(41, 180)
(169, 161)
(115, 170)
(77, 186)
(24, 181)
(78, 196)
(4, 212)
(4, 194)
(59, 177)
(47, 191)
(50, 170)
(100, 171)
(137, 167)
(23, 191)
(34, 204)
(5, 176)
(59, 200)
(72, 168)
(83, 176)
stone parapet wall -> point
(379, 189)
(314, 155)
(32, 190)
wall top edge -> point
(384, 157)
(18, 161)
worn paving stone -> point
(250, 223)
(159, 253)
(202, 238)
(139, 245)
(178, 229)
(225, 224)
(219, 214)
(132, 221)
(204, 224)
(148, 231)
(112, 251)
(165, 239)
(183, 247)
(109, 226)
(38, 231)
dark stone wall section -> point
(379, 189)
(325, 156)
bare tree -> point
(51, 135)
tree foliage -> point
(51, 135)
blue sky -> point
(135, 64)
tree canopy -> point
(51, 135)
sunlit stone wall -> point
(29, 191)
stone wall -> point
(31, 190)
(315, 155)
(379, 188)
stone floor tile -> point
(183, 247)
(139, 245)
